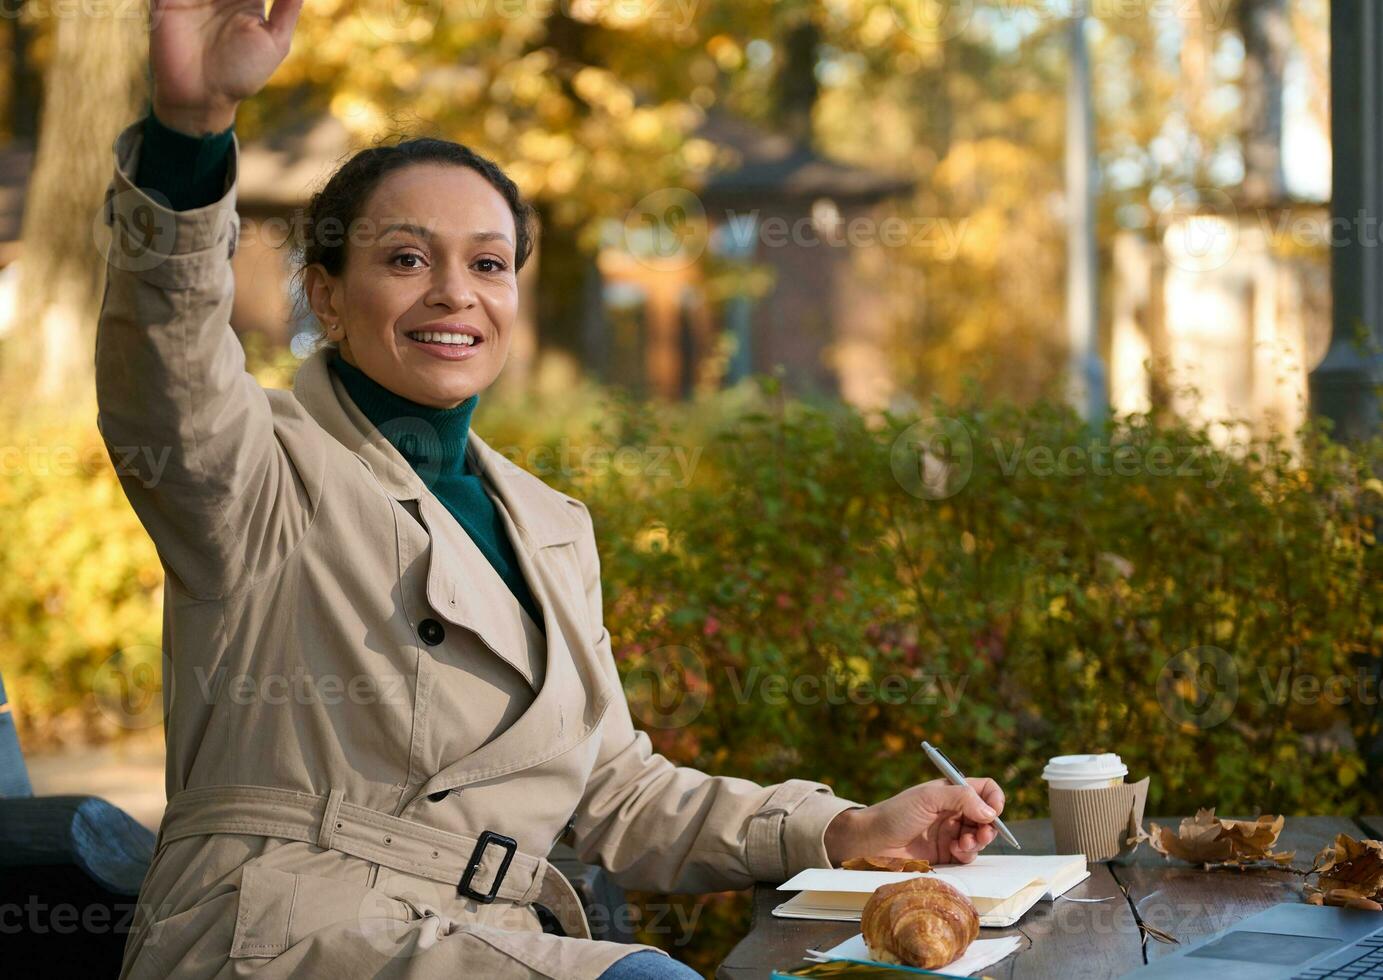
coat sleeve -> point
(193, 436)
(655, 826)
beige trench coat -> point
(353, 698)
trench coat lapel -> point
(574, 693)
(540, 523)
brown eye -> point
(496, 265)
(407, 255)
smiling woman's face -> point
(429, 266)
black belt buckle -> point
(487, 837)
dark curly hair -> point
(334, 209)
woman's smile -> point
(449, 343)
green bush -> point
(790, 592)
(805, 604)
(1025, 610)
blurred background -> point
(998, 373)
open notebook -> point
(1001, 886)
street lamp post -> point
(1344, 387)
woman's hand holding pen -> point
(207, 56)
(937, 821)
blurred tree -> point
(590, 105)
(48, 359)
(21, 72)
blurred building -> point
(1221, 313)
(785, 264)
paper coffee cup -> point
(1085, 771)
(1094, 812)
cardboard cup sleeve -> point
(1099, 823)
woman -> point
(388, 688)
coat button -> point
(431, 631)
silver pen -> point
(953, 774)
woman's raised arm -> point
(192, 435)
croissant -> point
(886, 864)
(922, 922)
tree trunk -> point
(797, 87)
(95, 85)
(566, 272)
(563, 289)
(24, 87)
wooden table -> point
(1071, 940)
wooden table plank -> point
(1061, 939)
(1189, 903)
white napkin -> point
(982, 953)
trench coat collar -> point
(538, 512)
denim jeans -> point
(648, 965)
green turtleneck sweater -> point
(191, 173)
(437, 452)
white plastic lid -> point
(1106, 765)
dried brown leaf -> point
(881, 863)
(1351, 870)
(1215, 841)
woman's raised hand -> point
(208, 56)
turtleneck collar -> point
(439, 442)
